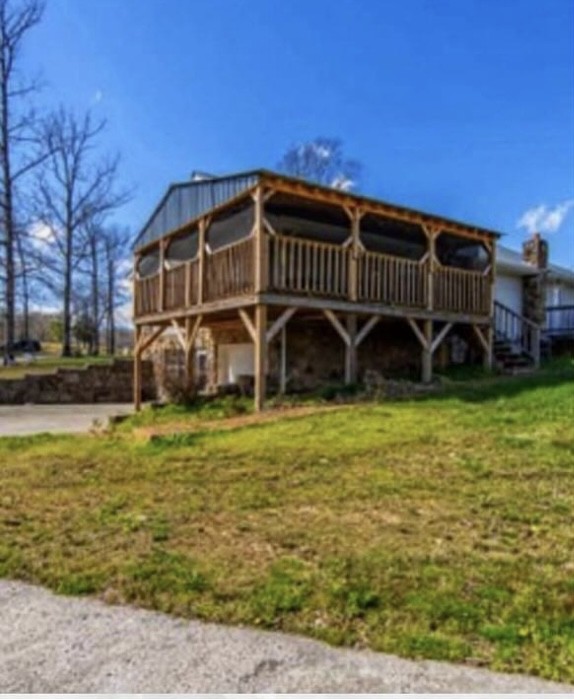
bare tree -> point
(321, 160)
(116, 242)
(73, 190)
(93, 235)
(19, 152)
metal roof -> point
(186, 201)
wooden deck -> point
(315, 271)
(268, 268)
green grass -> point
(438, 528)
(48, 364)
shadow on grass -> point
(496, 387)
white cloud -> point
(97, 97)
(342, 182)
(545, 219)
(40, 234)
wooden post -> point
(161, 303)
(283, 367)
(136, 301)
(137, 369)
(489, 350)
(427, 352)
(351, 350)
(201, 250)
(354, 259)
(261, 261)
(432, 234)
(260, 355)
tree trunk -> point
(111, 306)
(95, 341)
(8, 223)
(67, 334)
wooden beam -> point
(427, 353)
(337, 325)
(179, 334)
(269, 228)
(251, 329)
(161, 302)
(260, 355)
(316, 193)
(482, 339)
(145, 342)
(260, 247)
(201, 251)
(417, 331)
(280, 323)
(192, 326)
(440, 337)
(366, 329)
(351, 350)
(486, 340)
(354, 256)
(137, 380)
(283, 362)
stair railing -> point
(519, 331)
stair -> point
(511, 359)
(517, 341)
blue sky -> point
(464, 108)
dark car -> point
(24, 345)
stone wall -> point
(534, 298)
(95, 383)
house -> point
(291, 284)
(530, 286)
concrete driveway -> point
(18, 420)
(59, 644)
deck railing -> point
(181, 285)
(392, 280)
(146, 293)
(461, 291)
(517, 330)
(230, 271)
(559, 320)
(309, 267)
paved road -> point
(62, 644)
(31, 419)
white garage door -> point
(234, 361)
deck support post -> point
(426, 375)
(351, 350)
(432, 233)
(201, 253)
(141, 343)
(486, 340)
(137, 390)
(192, 326)
(283, 360)
(161, 300)
(260, 355)
(260, 247)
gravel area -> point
(16, 420)
(50, 643)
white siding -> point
(508, 291)
(234, 361)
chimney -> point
(535, 252)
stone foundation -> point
(95, 383)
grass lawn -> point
(439, 528)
